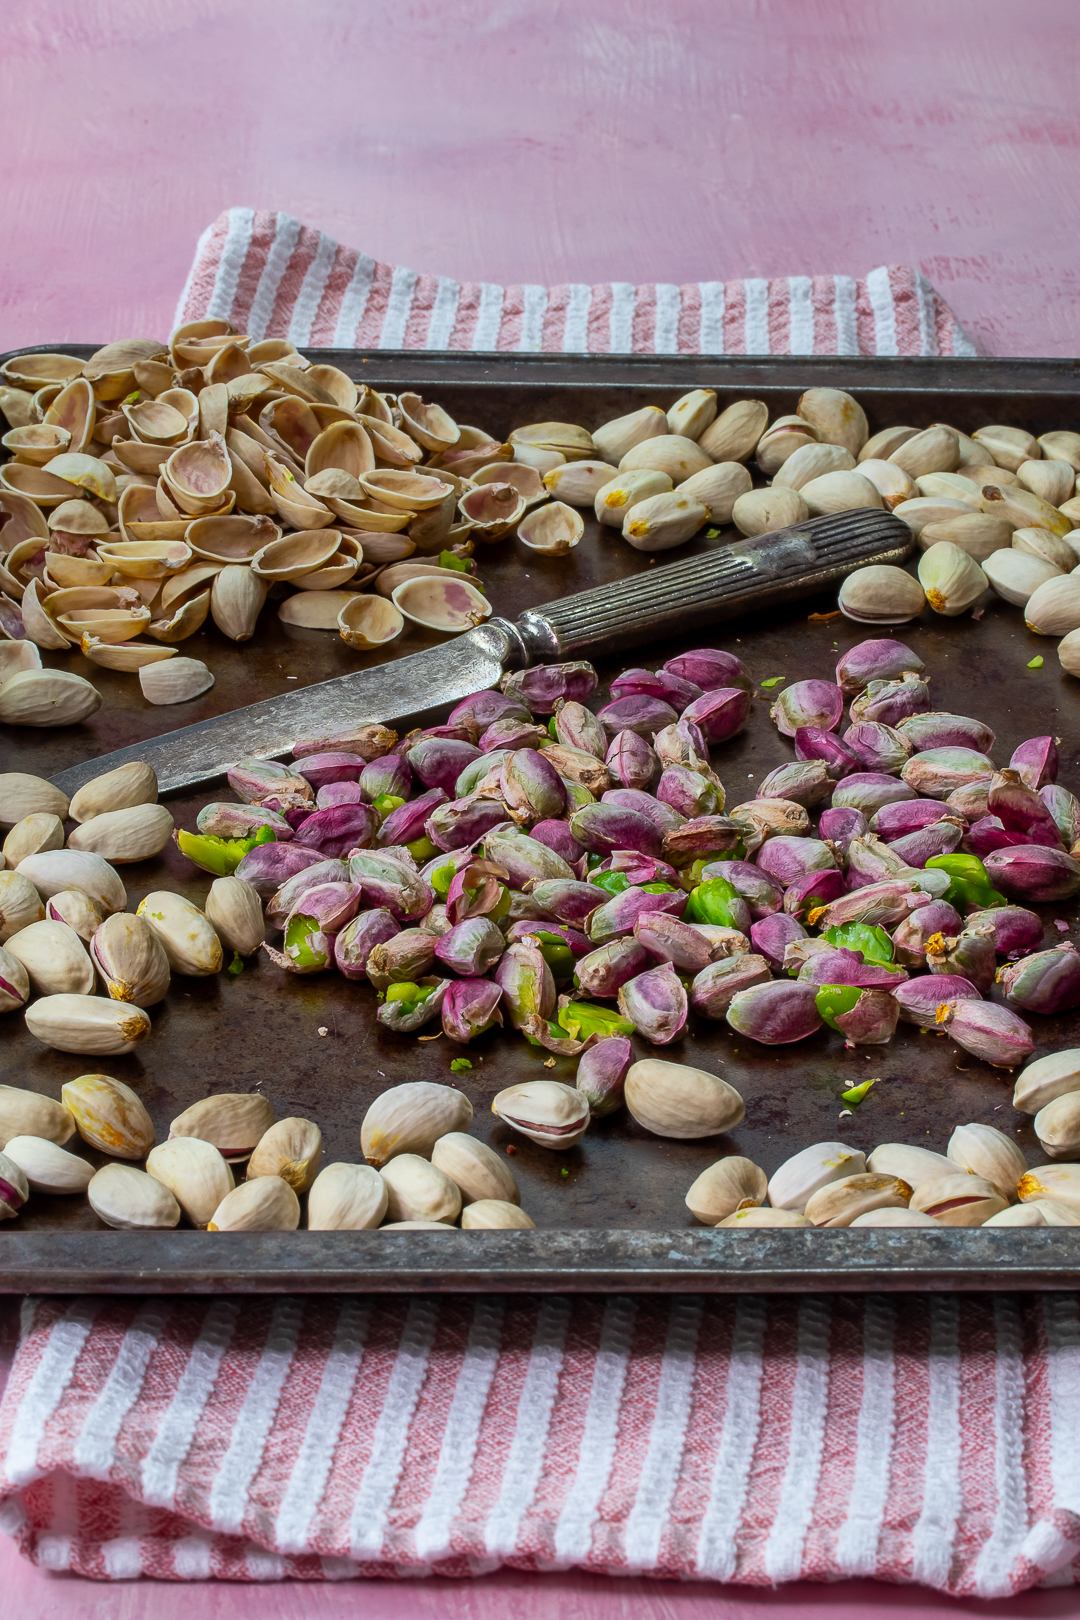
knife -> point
(693, 594)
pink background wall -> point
(514, 140)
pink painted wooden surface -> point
(542, 142)
(546, 141)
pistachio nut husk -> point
(630, 759)
(720, 713)
(40, 831)
(194, 1172)
(55, 959)
(109, 1115)
(991, 1033)
(840, 827)
(716, 986)
(812, 742)
(405, 957)
(936, 729)
(869, 791)
(233, 1121)
(891, 701)
(684, 744)
(797, 1180)
(482, 709)
(475, 1169)
(411, 1118)
(469, 948)
(785, 858)
(57, 869)
(912, 1164)
(1048, 1077)
(604, 828)
(728, 1185)
(129, 1200)
(1014, 930)
(256, 780)
(843, 1201)
(770, 937)
(803, 782)
(388, 882)
(267, 866)
(1048, 982)
(1036, 762)
(495, 1215)
(436, 761)
(187, 937)
(225, 820)
(601, 1074)
(912, 937)
(870, 1021)
(287, 899)
(525, 860)
(984, 1151)
(920, 999)
(346, 1198)
(546, 1111)
(681, 1102)
(1059, 1182)
(419, 1190)
(960, 1200)
(292, 1149)
(28, 1113)
(470, 1008)
(939, 838)
(671, 940)
(130, 959)
(710, 668)
(604, 971)
(266, 1205)
(90, 1025)
(531, 789)
(1031, 872)
(47, 1167)
(655, 1002)
(775, 1013)
(753, 1218)
(541, 688)
(392, 774)
(876, 660)
(1021, 810)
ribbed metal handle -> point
(696, 592)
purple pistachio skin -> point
(983, 837)
(703, 838)
(602, 828)
(656, 1004)
(786, 859)
(526, 983)
(524, 908)
(869, 860)
(577, 727)
(938, 771)
(762, 893)
(910, 937)
(542, 688)
(462, 821)
(471, 947)
(284, 901)
(636, 868)
(476, 890)
(1065, 809)
(295, 816)
(940, 838)
(341, 829)
(682, 744)
(408, 956)
(919, 999)
(568, 902)
(335, 793)
(670, 940)
(390, 883)
(940, 730)
(619, 914)
(404, 1019)
(482, 709)
(512, 733)
(889, 702)
(452, 733)
(661, 683)
(391, 774)
(812, 742)
(872, 1021)
(366, 742)
(1020, 810)
(771, 936)
(556, 835)
(520, 932)
(663, 817)
(645, 715)
(531, 787)
(256, 780)
(688, 792)
(720, 714)
(868, 791)
(880, 660)
(842, 966)
(470, 1008)
(319, 769)
(525, 859)
(1048, 982)
(1033, 873)
(895, 821)
(812, 890)
(267, 866)
(439, 761)
(715, 987)
(710, 669)
(970, 954)
(879, 905)
(1015, 931)
(1036, 762)
(839, 827)
(817, 704)
(878, 747)
(607, 968)
(601, 1074)
(631, 760)
(805, 782)
(801, 951)
(228, 820)
(405, 824)
(486, 769)
(331, 904)
(994, 1034)
(776, 1013)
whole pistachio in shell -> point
(292, 1149)
(960, 1200)
(109, 1115)
(29, 1113)
(346, 1198)
(678, 1101)
(194, 1172)
(234, 910)
(495, 1215)
(188, 938)
(763, 511)
(266, 1205)
(728, 1185)
(734, 433)
(477, 1171)
(780, 441)
(90, 1025)
(47, 1167)
(56, 869)
(952, 580)
(1039, 1083)
(797, 1180)
(880, 594)
(1047, 982)
(841, 1202)
(984, 1151)
(411, 1118)
(129, 1200)
(130, 959)
(234, 1121)
(546, 1111)
(54, 957)
(912, 1164)
(622, 433)
(40, 831)
(754, 1218)
(935, 449)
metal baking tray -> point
(618, 1220)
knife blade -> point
(691, 594)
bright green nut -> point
(711, 902)
(832, 1000)
(441, 879)
(422, 849)
(387, 802)
(221, 856)
(612, 882)
(874, 943)
(580, 1019)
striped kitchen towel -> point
(926, 1439)
(273, 277)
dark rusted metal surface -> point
(617, 1220)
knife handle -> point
(720, 584)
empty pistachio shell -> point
(799, 1177)
(175, 681)
(411, 1118)
(92, 1025)
(47, 1167)
(130, 1200)
(673, 1099)
(952, 580)
(762, 511)
(477, 1171)
(109, 1115)
(194, 1172)
(266, 1205)
(346, 1198)
(880, 594)
(291, 1149)
(841, 1202)
(546, 1111)
(419, 1190)
(726, 1186)
(960, 1200)
(234, 1121)
(55, 958)
(553, 529)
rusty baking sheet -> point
(617, 1220)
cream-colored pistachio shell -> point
(1061, 445)
(912, 1164)
(344, 445)
(120, 789)
(177, 681)
(1049, 548)
(15, 656)
(449, 605)
(729, 1184)
(20, 904)
(669, 453)
(29, 1113)
(476, 1169)
(24, 795)
(737, 431)
(1069, 653)
(367, 622)
(74, 409)
(41, 628)
(1057, 1126)
(1016, 576)
(36, 483)
(935, 449)
(189, 939)
(1060, 1182)
(806, 1172)
(346, 1198)
(31, 835)
(429, 425)
(47, 1167)
(130, 959)
(881, 594)
(760, 1216)
(960, 1200)
(411, 1118)
(417, 1226)
(951, 487)
(418, 1190)
(236, 538)
(291, 499)
(129, 1200)
(577, 483)
(1052, 481)
(1009, 446)
(1048, 1077)
(93, 1026)
(72, 573)
(526, 479)
(880, 446)
(838, 418)
(77, 910)
(17, 405)
(37, 443)
(549, 1113)
(404, 491)
(1053, 608)
(1022, 509)
(1052, 1210)
(839, 492)
(1018, 1215)
(718, 487)
(676, 1100)
(614, 439)
(266, 1205)
(110, 625)
(495, 1215)
(839, 1203)
(183, 621)
(952, 580)
(295, 555)
(234, 1121)
(194, 1172)
(315, 610)
(813, 461)
(235, 910)
(47, 698)
(292, 1149)
(197, 475)
(692, 413)
(236, 600)
(625, 490)
(85, 472)
(541, 461)
(664, 521)
(14, 983)
(56, 869)
(894, 1217)
(762, 511)
(393, 447)
(54, 957)
(493, 509)
(570, 440)
(920, 512)
(553, 529)
(132, 834)
(974, 532)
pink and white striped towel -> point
(758, 1441)
(921, 1439)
